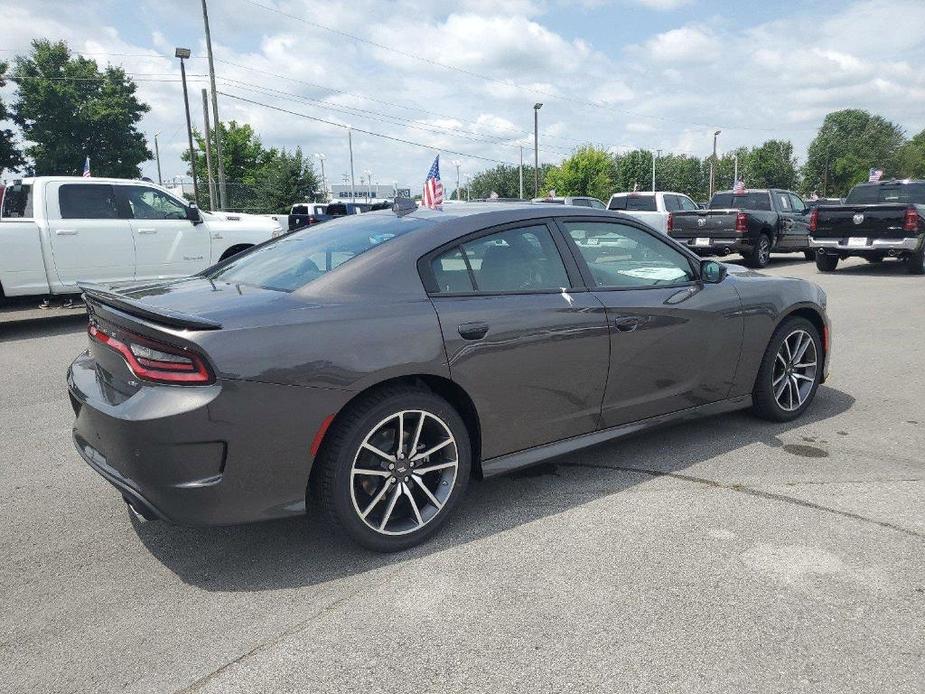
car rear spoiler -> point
(164, 316)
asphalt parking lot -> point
(724, 555)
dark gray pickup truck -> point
(754, 223)
(878, 220)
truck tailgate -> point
(704, 224)
(882, 221)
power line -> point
(361, 130)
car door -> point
(523, 338)
(788, 237)
(800, 226)
(167, 243)
(675, 341)
(91, 235)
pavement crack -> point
(758, 493)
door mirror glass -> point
(712, 272)
(192, 214)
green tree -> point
(910, 160)
(681, 173)
(634, 171)
(770, 165)
(10, 156)
(287, 177)
(589, 171)
(504, 179)
(68, 110)
(847, 146)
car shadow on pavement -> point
(303, 551)
(888, 268)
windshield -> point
(633, 203)
(293, 261)
(746, 201)
(899, 192)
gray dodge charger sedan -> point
(375, 363)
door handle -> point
(473, 331)
(147, 230)
(627, 324)
(216, 236)
(66, 232)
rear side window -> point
(17, 202)
(87, 201)
(672, 204)
(515, 260)
(633, 203)
(913, 193)
(746, 201)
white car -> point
(56, 231)
(652, 208)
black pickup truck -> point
(754, 223)
(878, 220)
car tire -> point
(826, 262)
(788, 376)
(916, 263)
(809, 255)
(391, 509)
(760, 255)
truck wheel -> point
(760, 255)
(917, 263)
(826, 263)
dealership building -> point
(363, 192)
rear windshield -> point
(899, 192)
(294, 260)
(633, 203)
(746, 201)
(17, 202)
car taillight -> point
(813, 218)
(669, 223)
(911, 220)
(312, 220)
(741, 222)
(155, 361)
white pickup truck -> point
(56, 231)
(652, 208)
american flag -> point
(875, 175)
(433, 188)
(739, 187)
(87, 168)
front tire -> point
(393, 468)
(826, 263)
(790, 371)
(760, 255)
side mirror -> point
(712, 272)
(192, 214)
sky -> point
(461, 78)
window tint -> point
(581, 202)
(796, 203)
(598, 205)
(294, 260)
(516, 260)
(299, 209)
(17, 202)
(687, 203)
(875, 193)
(783, 201)
(633, 202)
(619, 256)
(149, 203)
(746, 201)
(672, 204)
(87, 201)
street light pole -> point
(353, 192)
(521, 172)
(659, 154)
(223, 193)
(157, 155)
(324, 183)
(536, 149)
(735, 169)
(468, 187)
(456, 163)
(207, 133)
(713, 164)
(369, 182)
(183, 54)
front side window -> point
(598, 205)
(515, 260)
(87, 201)
(687, 204)
(294, 260)
(581, 202)
(672, 204)
(621, 256)
(797, 203)
(783, 200)
(150, 203)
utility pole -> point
(157, 155)
(369, 182)
(353, 192)
(536, 149)
(468, 187)
(223, 193)
(183, 54)
(324, 183)
(735, 175)
(521, 172)
(659, 154)
(208, 131)
(713, 164)
(456, 163)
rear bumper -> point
(717, 246)
(231, 452)
(873, 245)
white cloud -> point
(689, 43)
